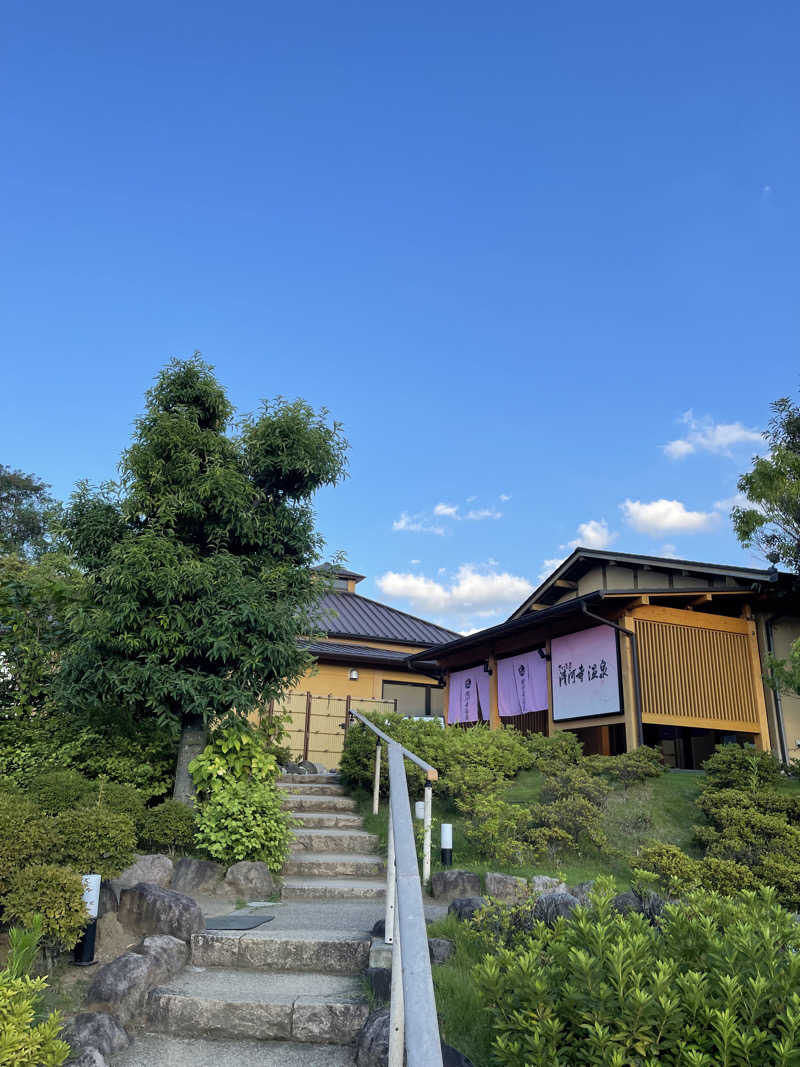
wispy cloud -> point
(448, 510)
(660, 517)
(479, 590)
(417, 524)
(593, 534)
(705, 435)
(668, 551)
(505, 497)
(548, 566)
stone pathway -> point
(290, 991)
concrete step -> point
(163, 1050)
(329, 820)
(314, 789)
(296, 888)
(334, 840)
(333, 865)
(322, 951)
(308, 779)
(222, 1003)
(310, 802)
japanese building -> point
(626, 649)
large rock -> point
(583, 892)
(541, 883)
(380, 982)
(440, 949)
(295, 768)
(153, 868)
(87, 1057)
(552, 906)
(648, 904)
(197, 876)
(451, 884)
(120, 987)
(169, 954)
(465, 907)
(149, 909)
(506, 887)
(98, 1030)
(250, 881)
(311, 768)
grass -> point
(661, 809)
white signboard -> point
(585, 674)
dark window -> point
(415, 698)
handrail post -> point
(397, 1021)
(391, 910)
(376, 789)
(426, 835)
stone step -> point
(314, 789)
(163, 1050)
(296, 888)
(310, 802)
(265, 949)
(308, 779)
(225, 1003)
(334, 840)
(333, 865)
(338, 820)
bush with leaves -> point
(628, 768)
(55, 893)
(26, 836)
(742, 767)
(574, 780)
(236, 752)
(552, 754)
(93, 841)
(170, 825)
(56, 791)
(678, 873)
(508, 832)
(714, 982)
(245, 820)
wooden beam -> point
(704, 598)
(494, 709)
(564, 583)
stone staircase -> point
(291, 991)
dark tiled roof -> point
(333, 650)
(351, 615)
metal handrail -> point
(412, 994)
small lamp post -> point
(447, 844)
(83, 953)
(419, 809)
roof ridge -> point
(399, 611)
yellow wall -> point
(332, 679)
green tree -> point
(26, 511)
(199, 563)
(771, 521)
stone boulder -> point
(648, 904)
(311, 768)
(372, 1044)
(452, 884)
(120, 987)
(95, 1030)
(250, 881)
(295, 768)
(506, 887)
(380, 982)
(109, 900)
(169, 954)
(149, 909)
(552, 906)
(583, 891)
(465, 907)
(197, 876)
(154, 868)
(379, 929)
(86, 1057)
(541, 883)
(440, 949)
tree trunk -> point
(194, 738)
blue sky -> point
(508, 246)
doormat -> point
(237, 922)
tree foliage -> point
(26, 510)
(198, 562)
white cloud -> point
(709, 436)
(668, 551)
(414, 562)
(417, 524)
(738, 500)
(593, 534)
(666, 516)
(548, 566)
(504, 497)
(471, 589)
(450, 510)
(483, 513)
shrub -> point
(472, 780)
(235, 752)
(578, 821)
(245, 820)
(714, 982)
(93, 841)
(508, 832)
(56, 791)
(170, 825)
(55, 893)
(551, 754)
(678, 873)
(26, 836)
(574, 780)
(119, 797)
(745, 768)
(629, 767)
(24, 1041)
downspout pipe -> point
(637, 680)
(776, 692)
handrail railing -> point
(412, 996)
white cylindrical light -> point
(419, 809)
(447, 835)
(91, 894)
